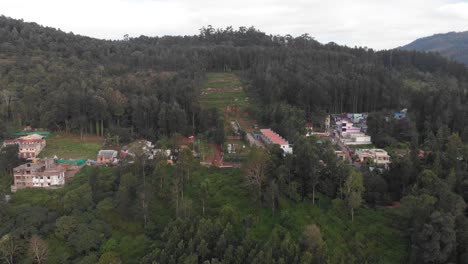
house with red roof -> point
(269, 137)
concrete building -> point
(350, 134)
(378, 156)
(29, 146)
(268, 136)
(340, 155)
(45, 173)
(346, 127)
(106, 156)
(358, 138)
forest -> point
(301, 208)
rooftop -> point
(32, 137)
(274, 137)
(376, 151)
(107, 154)
(44, 165)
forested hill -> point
(294, 208)
(453, 45)
(149, 86)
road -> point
(342, 147)
(252, 140)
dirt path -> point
(218, 155)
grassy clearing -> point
(221, 79)
(356, 147)
(205, 150)
(238, 147)
(223, 89)
(66, 146)
(228, 95)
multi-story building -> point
(29, 146)
(378, 156)
(44, 173)
(350, 134)
(268, 136)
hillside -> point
(453, 45)
(304, 207)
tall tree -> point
(9, 248)
(38, 249)
(256, 171)
(352, 190)
(307, 165)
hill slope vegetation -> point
(452, 45)
(301, 208)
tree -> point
(88, 237)
(418, 208)
(79, 199)
(454, 151)
(160, 174)
(307, 165)
(65, 226)
(9, 248)
(272, 195)
(376, 189)
(205, 189)
(436, 240)
(255, 171)
(38, 249)
(127, 194)
(9, 158)
(109, 258)
(352, 191)
(312, 238)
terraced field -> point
(225, 92)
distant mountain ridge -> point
(453, 45)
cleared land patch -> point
(68, 146)
(223, 90)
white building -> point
(358, 138)
(43, 174)
(270, 137)
(351, 135)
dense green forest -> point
(301, 208)
(149, 86)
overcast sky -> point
(378, 24)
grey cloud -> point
(377, 24)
